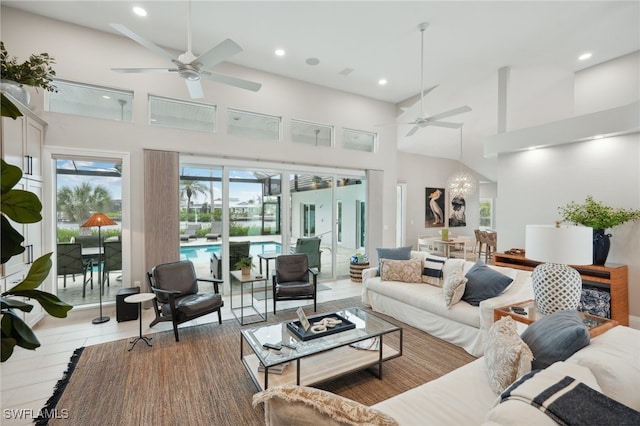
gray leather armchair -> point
(291, 279)
(177, 299)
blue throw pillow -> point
(398, 253)
(555, 337)
(484, 283)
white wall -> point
(86, 56)
(420, 172)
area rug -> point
(259, 295)
(201, 380)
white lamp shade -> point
(569, 245)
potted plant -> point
(36, 71)
(596, 215)
(245, 265)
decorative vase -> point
(17, 91)
(601, 245)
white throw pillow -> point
(453, 288)
(506, 355)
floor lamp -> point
(99, 220)
(556, 285)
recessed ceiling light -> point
(280, 52)
(106, 97)
(598, 136)
(312, 61)
(139, 11)
(382, 81)
(584, 56)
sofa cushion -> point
(407, 271)
(484, 283)
(308, 406)
(398, 253)
(453, 288)
(613, 358)
(507, 357)
(555, 337)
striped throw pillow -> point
(432, 269)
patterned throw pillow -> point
(408, 271)
(432, 270)
(506, 355)
(453, 288)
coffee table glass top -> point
(367, 326)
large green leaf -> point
(9, 109)
(21, 206)
(19, 330)
(8, 343)
(37, 273)
(10, 303)
(50, 302)
(10, 239)
(10, 175)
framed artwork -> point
(458, 207)
(434, 208)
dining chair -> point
(69, 261)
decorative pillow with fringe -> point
(506, 355)
(307, 406)
(406, 271)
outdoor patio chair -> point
(177, 299)
(70, 262)
(190, 232)
(216, 231)
(311, 247)
(112, 259)
(237, 250)
(291, 279)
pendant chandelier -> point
(462, 183)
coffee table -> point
(321, 359)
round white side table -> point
(140, 298)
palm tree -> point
(191, 188)
(78, 202)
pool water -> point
(203, 253)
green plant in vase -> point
(596, 215)
(245, 265)
(36, 71)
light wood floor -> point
(28, 377)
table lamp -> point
(99, 220)
(556, 285)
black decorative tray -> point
(296, 328)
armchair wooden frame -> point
(174, 314)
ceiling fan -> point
(188, 66)
(434, 120)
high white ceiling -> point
(465, 44)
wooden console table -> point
(611, 277)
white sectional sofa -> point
(609, 365)
(423, 305)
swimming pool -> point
(203, 253)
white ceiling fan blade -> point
(232, 81)
(449, 113)
(145, 70)
(444, 124)
(413, 130)
(195, 89)
(143, 42)
(220, 53)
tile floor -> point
(28, 377)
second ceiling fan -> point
(190, 67)
(433, 120)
